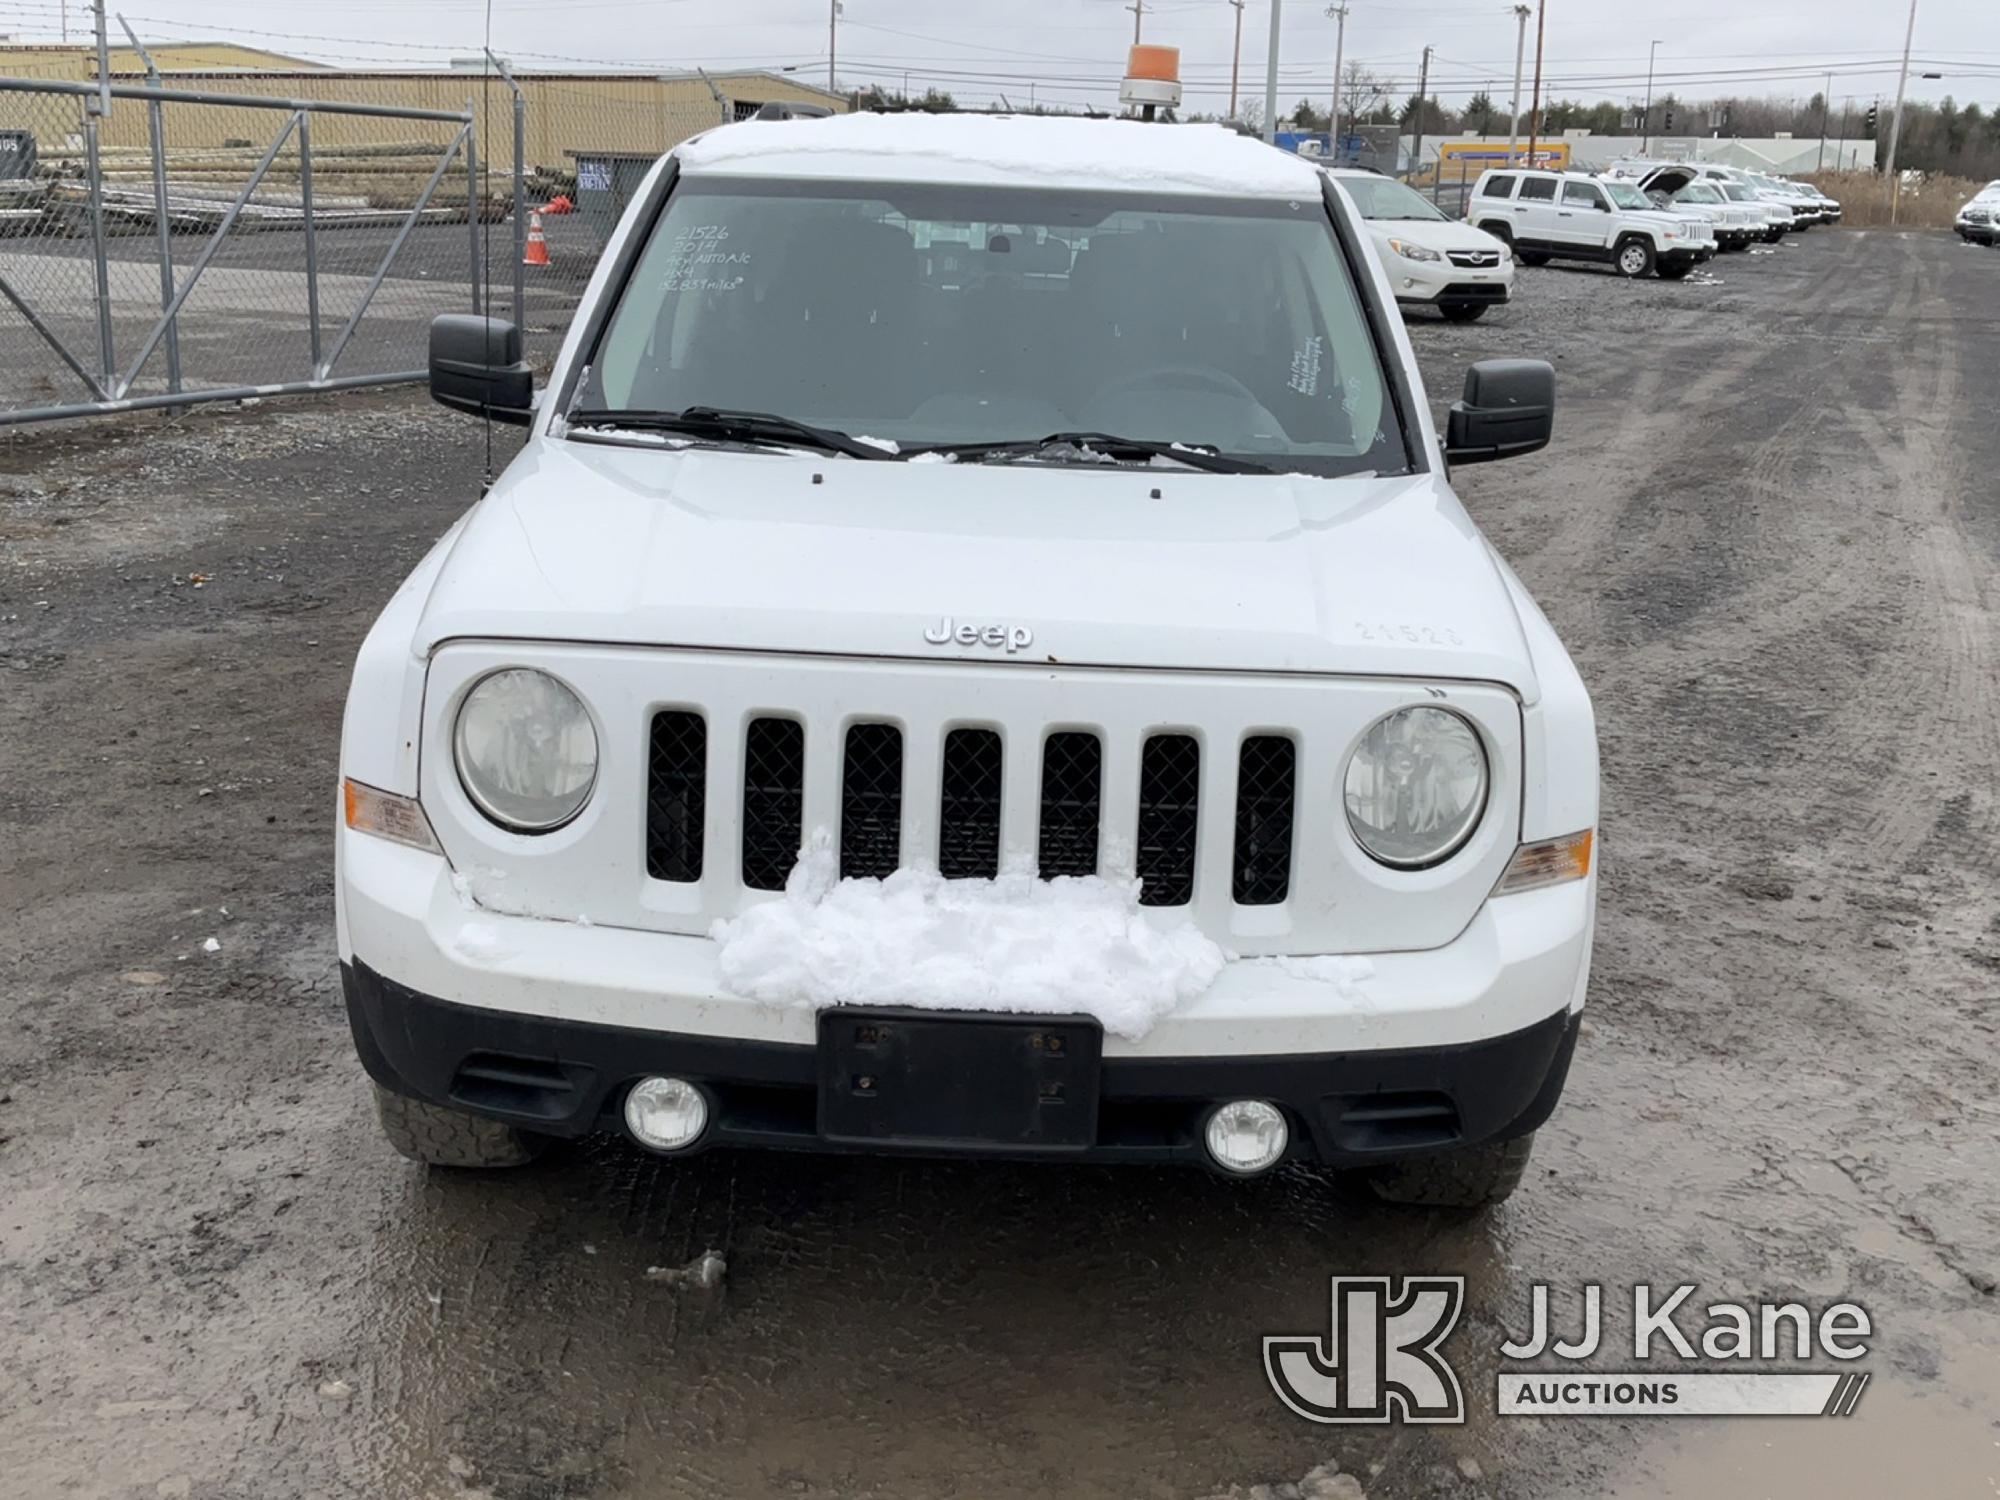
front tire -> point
(1532, 257)
(1463, 312)
(1632, 259)
(1676, 272)
(440, 1137)
(1468, 1177)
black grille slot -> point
(774, 773)
(676, 795)
(1072, 792)
(871, 801)
(969, 806)
(1169, 808)
(1265, 775)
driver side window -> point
(1582, 195)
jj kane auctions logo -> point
(1382, 1359)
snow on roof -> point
(1006, 151)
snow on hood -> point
(1034, 947)
(1023, 150)
(1106, 566)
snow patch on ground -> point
(1010, 944)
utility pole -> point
(1339, 13)
(1521, 14)
(1138, 9)
(1423, 83)
(1271, 75)
(1825, 109)
(1646, 119)
(1896, 123)
(832, 28)
(1535, 105)
(1840, 150)
(1236, 57)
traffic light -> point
(1874, 111)
(1667, 121)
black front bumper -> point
(568, 1078)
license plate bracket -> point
(958, 1080)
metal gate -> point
(197, 246)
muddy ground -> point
(1769, 529)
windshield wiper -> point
(1108, 444)
(730, 426)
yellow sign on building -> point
(1478, 155)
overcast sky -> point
(1071, 51)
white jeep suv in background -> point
(1550, 215)
(1430, 260)
(978, 655)
(1679, 188)
(1979, 219)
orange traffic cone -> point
(537, 253)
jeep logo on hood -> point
(964, 633)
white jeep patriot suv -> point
(979, 654)
(1549, 215)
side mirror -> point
(476, 367)
(1508, 409)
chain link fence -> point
(208, 236)
(166, 245)
(587, 143)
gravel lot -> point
(1769, 529)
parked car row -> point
(1642, 218)
(1979, 220)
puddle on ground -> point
(1896, 1443)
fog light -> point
(1246, 1135)
(667, 1114)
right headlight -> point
(526, 750)
(1416, 787)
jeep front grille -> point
(1169, 817)
(871, 801)
(1264, 798)
(774, 782)
(1072, 792)
(676, 795)
(1158, 807)
(969, 805)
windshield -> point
(1698, 192)
(1626, 196)
(1738, 193)
(1386, 198)
(946, 315)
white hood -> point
(703, 547)
(1434, 234)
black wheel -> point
(1470, 1177)
(1463, 312)
(1633, 258)
(1773, 235)
(1532, 257)
(1676, 272)
(1500, 229)
(440, 1137)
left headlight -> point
(1416, 787)
(526, 750)
(1414, 252)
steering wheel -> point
(1206, 376)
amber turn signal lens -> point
(1549, 862)
(401, 820)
